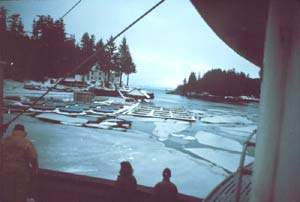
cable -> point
(85, 61)
(78, 2)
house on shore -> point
(97, 77)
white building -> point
(95, 75)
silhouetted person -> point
(125, 185)
(18, 165)
(165, 191)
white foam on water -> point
(163, 129)
(218, 141)
(226, 119)
(227, 160)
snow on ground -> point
(227, 160)
(226, 119)
(61, 118)
(163, 129)
(218, 141)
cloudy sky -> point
(167, 45)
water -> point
(200, 154)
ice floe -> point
(226, 120)
(244, 131)
(163, 129)
(229, 161)
(218, 141)
(61, 118)
(191, 138)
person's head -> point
(126, 168)
(166, 173)
(19, 127)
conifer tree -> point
(125, 60)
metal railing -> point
(242, 170)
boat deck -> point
(226, 191)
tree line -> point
(221, 83)
(49, 52)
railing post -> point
(2, 65)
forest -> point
(47, 51)
(221, 83)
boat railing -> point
(55, 186)
(241, 169)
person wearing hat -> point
(18, 164)
(165, 191)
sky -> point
(166, 46)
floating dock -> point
(152, 111)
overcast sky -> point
(166, 46)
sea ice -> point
(163, 129)
(226, 119)
(244, 131)
(227, 160)
(61, 118)
(218, 141)
(189, 138)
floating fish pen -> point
(71, 110)
(152, 111)
(85, 97)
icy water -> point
(200, 154)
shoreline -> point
(217, 98)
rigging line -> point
(78, 2)
(82, 63)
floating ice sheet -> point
(61, 118)
(164, 129)
(218, 141)
(227, 160)
(227, 119)
(239, 131)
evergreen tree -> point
(16, 26)
(88, 48)
(102, 59)
(112, 57)
(3, 34)
(3, 15)
(222, 83)
(192, 82)
(125, 60)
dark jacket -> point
(165, 191)
(124, 189)
(18, 164)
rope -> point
(85, 61)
